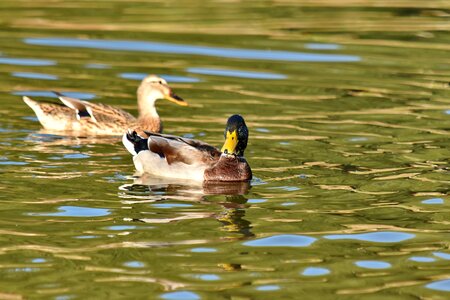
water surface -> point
(348, 108)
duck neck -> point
(148, 116)
(146, 104)
(147, 111)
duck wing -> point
(176, 149)
(96, 112)
(82, 110)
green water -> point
(349, 114)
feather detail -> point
(178, 157)
(81, 108)
(95, 118)
(178, 149)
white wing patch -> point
(79, 106)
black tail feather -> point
(140, 144)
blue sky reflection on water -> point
(83, 96)
(433, 201)
(282, 240)
(30, 75)
(267, 288)
(203, 250)
(75, 211)
(441, 285)
(236, 73)
(208, 277)
(169, 78)
(378, 237)
(32, 62)
(156, 47)
(423, 259)
(329, 106)
(373, 264)
(180, 295)
(315, 271)
(442, 255)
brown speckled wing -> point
(56, 109)
(98, 115)
(107, 113)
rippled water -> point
(348, 108)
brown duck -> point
(83, 117)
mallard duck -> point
(96, 118)
(177, 157)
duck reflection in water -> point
(48, 141)
(229, 195)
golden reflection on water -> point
(148, 189)
(336, 148)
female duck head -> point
(236, 136)
(153, 88)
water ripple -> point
(442, 285)
(372, 264)
(121, 227)
(377, 237)
(423, 259)
(134, 264)
(282, 240)
(75, 211)
(317, 46)
(171, 205)
(84, 96)
(141, 46)
(203, 250)
(97, 66)
(13, 163)
(442, 255)
(26, 62)
(208, 277)
(433, 201)
(236, 73)
(315, 271)
(34, 75)
(268, 288)
(180, 295)
(169, 78)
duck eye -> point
(160, 82)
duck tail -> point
(134, 143)
(36, 107)
(31, 103)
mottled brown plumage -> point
(88, 118)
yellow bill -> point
(172, 97)
(231, 141)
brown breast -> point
(229, 168)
